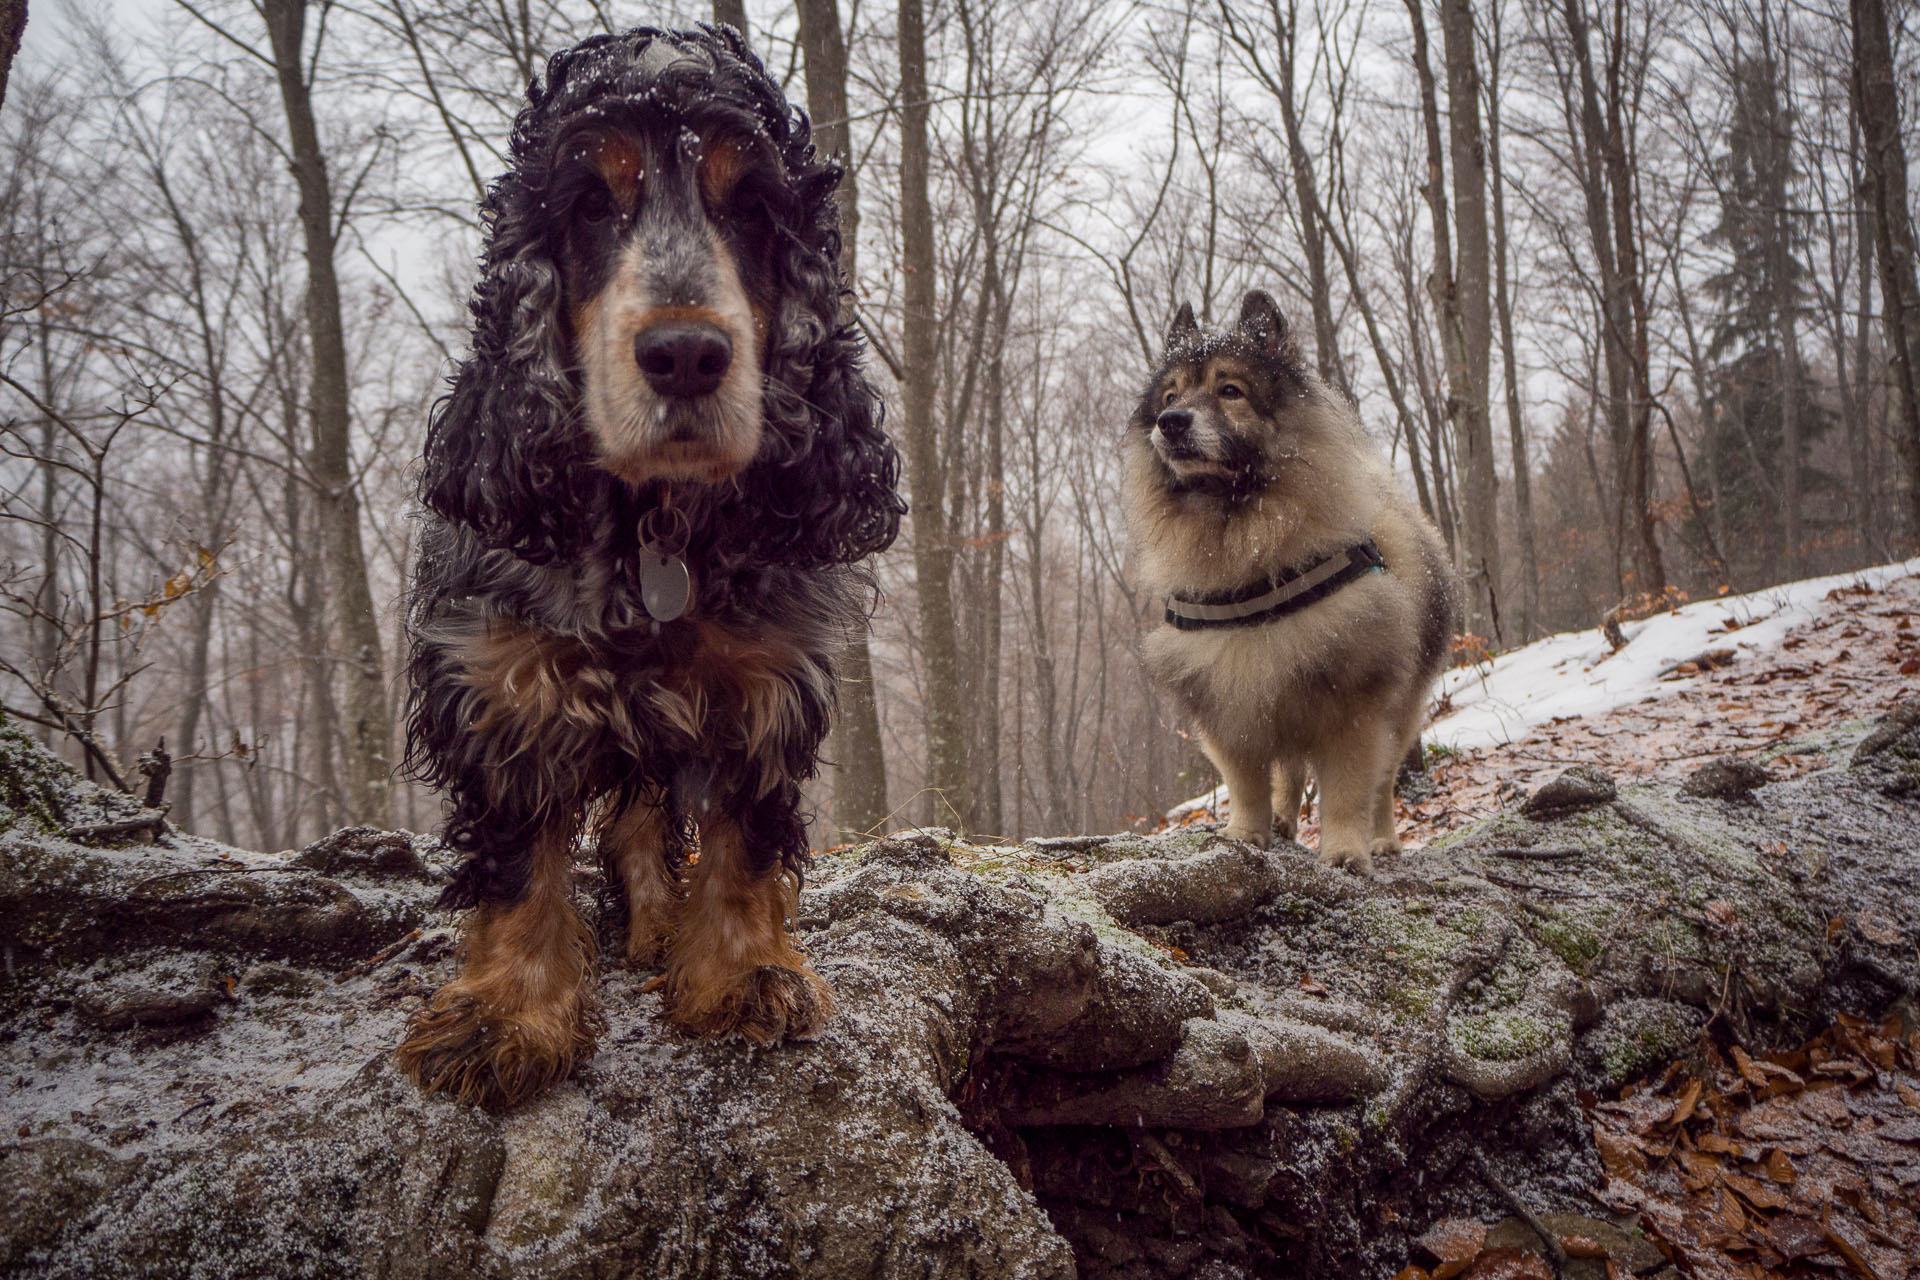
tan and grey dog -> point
(1309, 604)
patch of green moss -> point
(1077, 904)
(1412, 1001)
(1505, 1035)
(30, 779)
(1645, 1041)
(1572, 939)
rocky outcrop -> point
(1166, 1056)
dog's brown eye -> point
(597, 207)
(1231, 391)
(1168, 398)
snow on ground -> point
(1573, 674)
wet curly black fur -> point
(526, 529)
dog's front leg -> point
(1351, 775)
(519, 1014)
(1249, 778)
(635, 850)
(732, 966)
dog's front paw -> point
(481, 1055)
(1385, 847)
(1358, 861)
(766, 1005)
(647, 947)
(1252, 835)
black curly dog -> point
(648, 490)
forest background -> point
(1625, 288)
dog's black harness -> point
(1288, 591)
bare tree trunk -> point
(1606, 181)
(13, 25)
(1878, 103)
(860, 765)
(369, 726)
(1468, 378)
(1529, 615)
(932, 547)
(731, 13)
(1460, 301)
(991, 810)
(1866, 509)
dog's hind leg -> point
(1386, 839)
(732, 967)
(1289, 785)
(520, 1013)
(635, 848)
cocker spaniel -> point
(648, 490)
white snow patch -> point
(1574, 674)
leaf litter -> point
(1795, 1165)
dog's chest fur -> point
(561, 658)
(1286, 678)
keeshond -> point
(1309, 605)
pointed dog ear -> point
(1182, 331)
(1261, 321)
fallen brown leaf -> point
(1453, 1243)
(1795, 1236)
(1510, 1264)
(1779, 1167)
(1582, 1247)
(1689, 1096)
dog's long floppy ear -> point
(1261, 322)
(504, 454)
(824, 489)
(1182, 331)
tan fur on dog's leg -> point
(520, 1013)
(732, 967)
(1385, 839)
(1249, 792)
(635, 846)
(1351, 776)
(1289, 784)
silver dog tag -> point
(666, 587)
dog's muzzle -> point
(1175, 429)
(683, 361)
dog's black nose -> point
(1174, 424)
(683, 360)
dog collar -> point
(1286, 592)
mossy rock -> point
(32, 782)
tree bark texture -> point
(1460, 307)
(1606, 181)
(731, 13)
(860, 766)
(368, 723)
(13, 25)
(1877, 100)
(1529, 611)
(933, 550)
(1472, 339)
